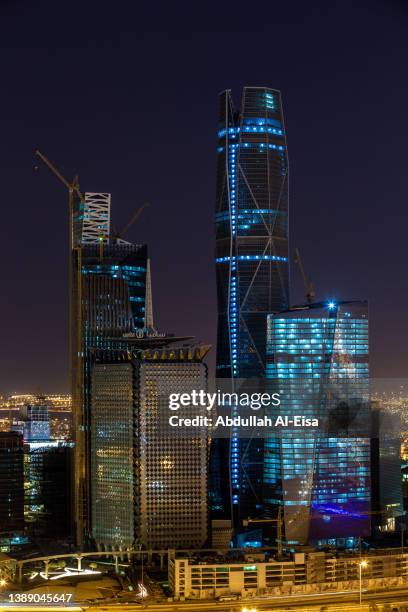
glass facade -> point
(112, 293)
(149, 481)
(36, 423)
(252, 272)
(251, 228)
(113, 481)
(317, 357)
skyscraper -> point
(252, 272)
(36, 420)
(47, 489)
(11, 484)
(149, 485)
(251, 228)
(317, 355)
(386, 483)
(108, 299)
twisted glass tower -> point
(252, 271)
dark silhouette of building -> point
(11, 483)
(386, 482)
(47, 474)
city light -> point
(331, 305)
(68, 572)
(362, 564)
(142, 591)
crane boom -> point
(71, 186)
(133, 219)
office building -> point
(11, 484)
(47, 473)
(386, 483)
(320, 477)
(36, 421)
(47, 489)
(108, 299)
(149, 485)
(252, 273)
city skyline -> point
(236, 428)
(345, 163)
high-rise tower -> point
(108, 299)
(110, 295)
(149, 481)
(252, 272)
(251, 228)
(318, 355)
(11, 485)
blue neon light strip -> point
(251, 129)
(233, 306)
(233, 320)
(243, 214)
(262, 145)
(262, 121)
(232, 167)
(251, 258)
(233, 309)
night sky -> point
(125, 94)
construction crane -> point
(121, 234)
(279, 525)
(75, 313)
(73, 188)
(308, 285)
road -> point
(343, 600)
(337, 601)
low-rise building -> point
(200, 579)
(257, 575)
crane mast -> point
(75, 344)
(307, 282)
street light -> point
(361, 565)
(3, 582)
(249, 610)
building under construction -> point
(110, 295)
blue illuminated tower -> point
(252, 273)
(318, 355)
